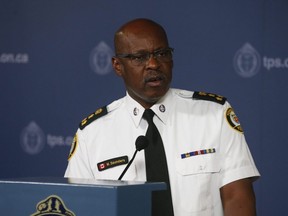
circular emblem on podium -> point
(52, 206)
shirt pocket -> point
(198, 164)
(198, 183)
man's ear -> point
(117, 65)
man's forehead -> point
(140, 35)
(139, 24)
(138, 43)
(143, 34)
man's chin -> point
(148, 97)
(154, 97)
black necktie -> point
(156, 168)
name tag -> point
(112, 163)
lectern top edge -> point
(80, 182)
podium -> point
(76, 197)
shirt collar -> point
(161, 109)
(135, 110)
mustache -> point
(154, 75)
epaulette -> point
(209, 97)
(93, 116)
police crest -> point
(233, 120)
(247, 61)
(52, 206)
(100, 59)
(73, 147)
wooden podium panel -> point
(63, 196)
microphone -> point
(141, 143)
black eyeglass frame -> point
(147, 55)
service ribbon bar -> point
(199, 152)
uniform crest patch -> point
(93, 116)
(233, 120)
(73, 147)
(209, 97)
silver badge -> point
(162, 108)
(135, 111)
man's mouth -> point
(154, 80)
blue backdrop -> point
(55, 69)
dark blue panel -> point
(54, 68)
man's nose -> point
(152, 61)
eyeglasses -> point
(141, 58)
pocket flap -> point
(198, 164)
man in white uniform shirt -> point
(210, 167)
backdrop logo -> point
(247, 61)
(32, 139)
(100, 59)
(14, 58)
(52, 206)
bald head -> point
(138, 28)
(148, 82)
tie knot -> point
(148, 115)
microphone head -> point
(141, 143)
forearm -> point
(238, 198)
(240, 207)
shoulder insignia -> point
(93, 116)
(73, 147)
(209, 97)
(233, 120)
